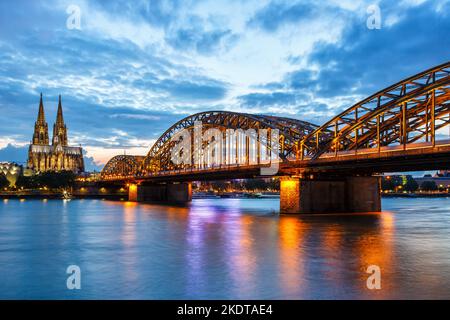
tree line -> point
(406, 183)
(66, 179)
(50, 180)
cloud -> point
(19, 154)
(90, 164)
(138, 68)
(12, 153)
(365, 61)
(268, 99)
(277, 14)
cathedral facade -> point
(57, 156)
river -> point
(222, 249)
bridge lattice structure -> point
(409, 115)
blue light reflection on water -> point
(221, 249)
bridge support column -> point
(179, 193)
(169, 193)
(351, 194)
(290, 195)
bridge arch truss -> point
(122, 166)
(411, 111)
(290, 132)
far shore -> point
(37, 194)
(416, 195)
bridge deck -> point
(412, 157)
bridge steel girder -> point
(392, 130)
(290, 131)
(122, 166)
(410, 110)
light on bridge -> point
(132, 193)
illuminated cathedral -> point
(55, 157)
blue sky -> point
(136, 67)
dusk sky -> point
(136, 67)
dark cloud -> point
(112, 86)
(370, 60)
(56, 67)
(364, 61)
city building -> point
(57, 156)
(441, 178)
(11, 170)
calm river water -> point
(221, 249)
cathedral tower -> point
(40, 136)
(56, 157)
(59, 128)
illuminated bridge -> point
(334, 167)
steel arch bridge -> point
(158, 158)
(122, 166)
(290, 132)
(401, 126)
(409, 111)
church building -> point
(55, 157)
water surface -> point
(221, 249)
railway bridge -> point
(334, 167)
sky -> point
(133, 68)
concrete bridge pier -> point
(347, 194)
(168, 193)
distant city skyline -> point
(132, 71)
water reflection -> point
(291, 237)
(222, 249)
(129, 219)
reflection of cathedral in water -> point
(55, 157)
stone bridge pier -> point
(169, 193)
(330, 195)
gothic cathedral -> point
(55, 157)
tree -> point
(391, 183)
(218, 185)
(255, 184)
(26, 182)
(51, 180)
(387, 184)
(56, 180)
(428, 186)
(411, 185)
(4, 183)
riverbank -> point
(60, 195)
(416, 195)
(196, 195)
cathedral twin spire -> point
(40, 136)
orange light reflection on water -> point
(292, 232)
(375, 247)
